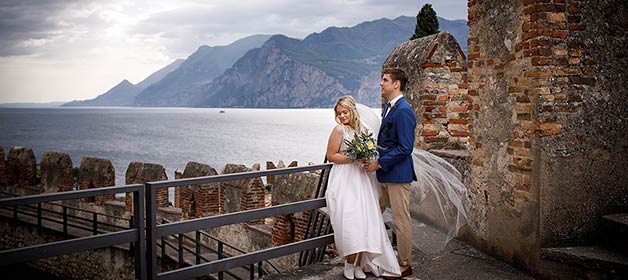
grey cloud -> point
(31, 20)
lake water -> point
(171, 137)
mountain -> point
(160, 74)
(264, 71)
(313, 72)
(124, 93)
(270, 77)
(200, 68)
(31, 105)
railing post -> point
(132, 244)
(38, 214)
(151, 228)
(252, 271)
(163, 250)
(137, 221)
(95, 225)
(198, 247)
(260, 271)
(220, 273)
(65, 221)
(180, 250)
(15, 212)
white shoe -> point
(349, 271)
(359, 273)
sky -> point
(64, 50)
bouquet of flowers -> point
(361, 147)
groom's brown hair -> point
(397, 75)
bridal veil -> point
(438, 196)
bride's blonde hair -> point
(348, 102)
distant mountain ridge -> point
(124, 93)
(314, 72)
(264, 71)
(198, 69)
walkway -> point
(457, 261)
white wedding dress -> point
(353, 201)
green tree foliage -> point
(426, 22)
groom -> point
(394, 167)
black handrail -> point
(65, 221)
(145, 252)
(135, 235)
(198, 245)
(155, 231)
(316, 217)
(180, 247)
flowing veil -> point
(438, 198)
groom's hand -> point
(371, 167)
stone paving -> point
(457, 261)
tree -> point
(426, 22)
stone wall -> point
(581, 133)
(21, 168)
(436, 89)
(106, 263)
(549, 139)
(140, 173)
(56, 173)
(96, 173)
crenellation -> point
(21, 169)
(140, 173)
(3, 171)
(96, 173)
(56, 173)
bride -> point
(353, 199)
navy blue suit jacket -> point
(396, 136)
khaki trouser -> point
(398, 196)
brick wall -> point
(198, 200)
(436, 89)
(540, 123)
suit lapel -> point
(393, 109)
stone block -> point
(21, 167)
(198, 200)
(96, 173)
(56, 173)
(140, 173)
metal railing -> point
(219, 251)
(146, 228)
(92, 225)
(134, 235)
(155, 231)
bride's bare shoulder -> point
(338, 130)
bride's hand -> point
(371, 166)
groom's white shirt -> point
(393, 102)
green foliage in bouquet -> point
(361, 147)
